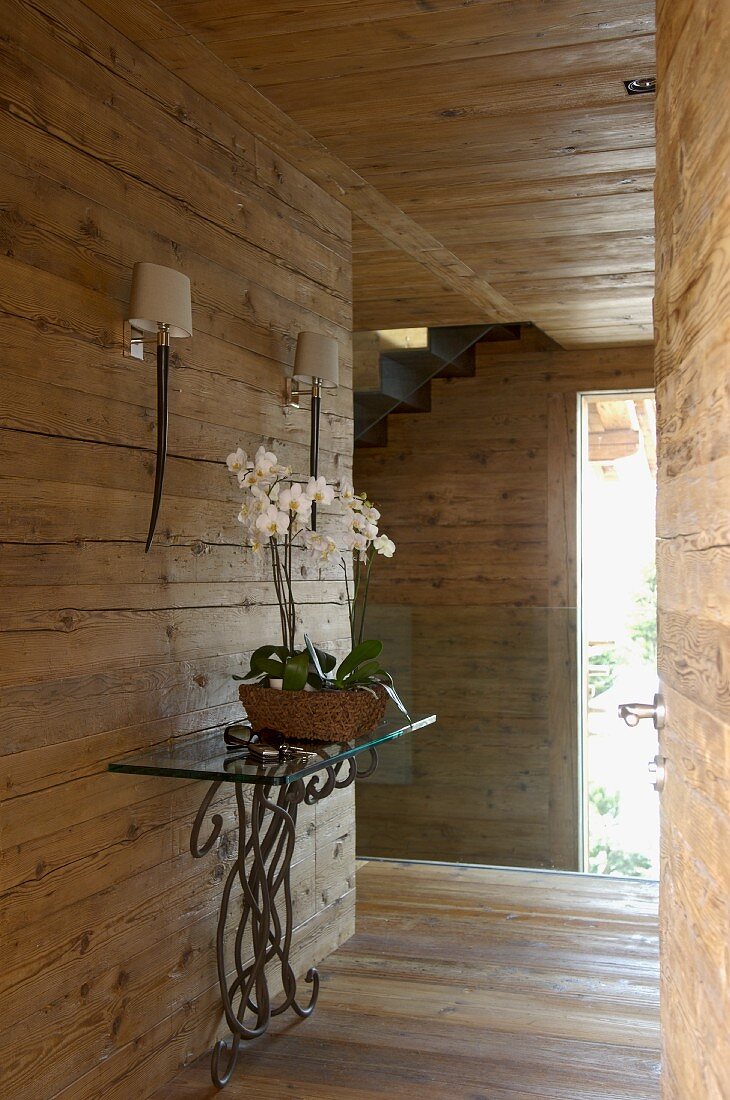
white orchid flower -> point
(354, 540)
(319, 492)
(363, 527)
(295, 500)
(272, 522)
(249, 479)
(347, 492)
(320, 547)
(237, 461)
(329, 546)
(371, 514)
(384, 546)
(265, 463)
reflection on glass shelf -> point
(206, 756)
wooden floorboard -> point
(472, 984)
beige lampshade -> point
(160, 295)
(316, 357)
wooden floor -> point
(472, 983)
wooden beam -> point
(168, 42)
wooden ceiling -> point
(500, 128)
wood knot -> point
(68, 619)
(122, 979)
(89, 228)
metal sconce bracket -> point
(134, 342)
(293, 394)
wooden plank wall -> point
(480, 495)
(692, 315)
(107, 924)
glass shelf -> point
(206, 757)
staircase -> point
(394, 376)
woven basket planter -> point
(314, 715)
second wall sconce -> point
(159, 303)
(316, 367)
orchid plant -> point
(365, 543)
(276, 514)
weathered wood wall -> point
(108, 981)
(480, 496)
(692, 316)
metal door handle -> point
(632, 713)
(658, 769)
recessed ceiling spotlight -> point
(640, 85)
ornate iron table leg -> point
(266, 835)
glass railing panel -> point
(496, 780)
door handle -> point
(632, 713)
(658, 770)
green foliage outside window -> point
(643, 628)
(604, 858)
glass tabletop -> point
(206, 756)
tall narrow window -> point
(618, 629)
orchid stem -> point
(276, 569)
(364, 605)
(350, 607)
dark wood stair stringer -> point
(406, 375)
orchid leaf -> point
(396, 699)
(263, 655)
(272, 669)
(250, 675)
(296, 671)
(362, 672)
(326, 660)
(365, 651)
(321, 661)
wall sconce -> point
(316, 363)
(159, 303)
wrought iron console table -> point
(266, 834)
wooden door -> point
(692, 316)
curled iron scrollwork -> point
(260, 874)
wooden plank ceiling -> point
(501, 128)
